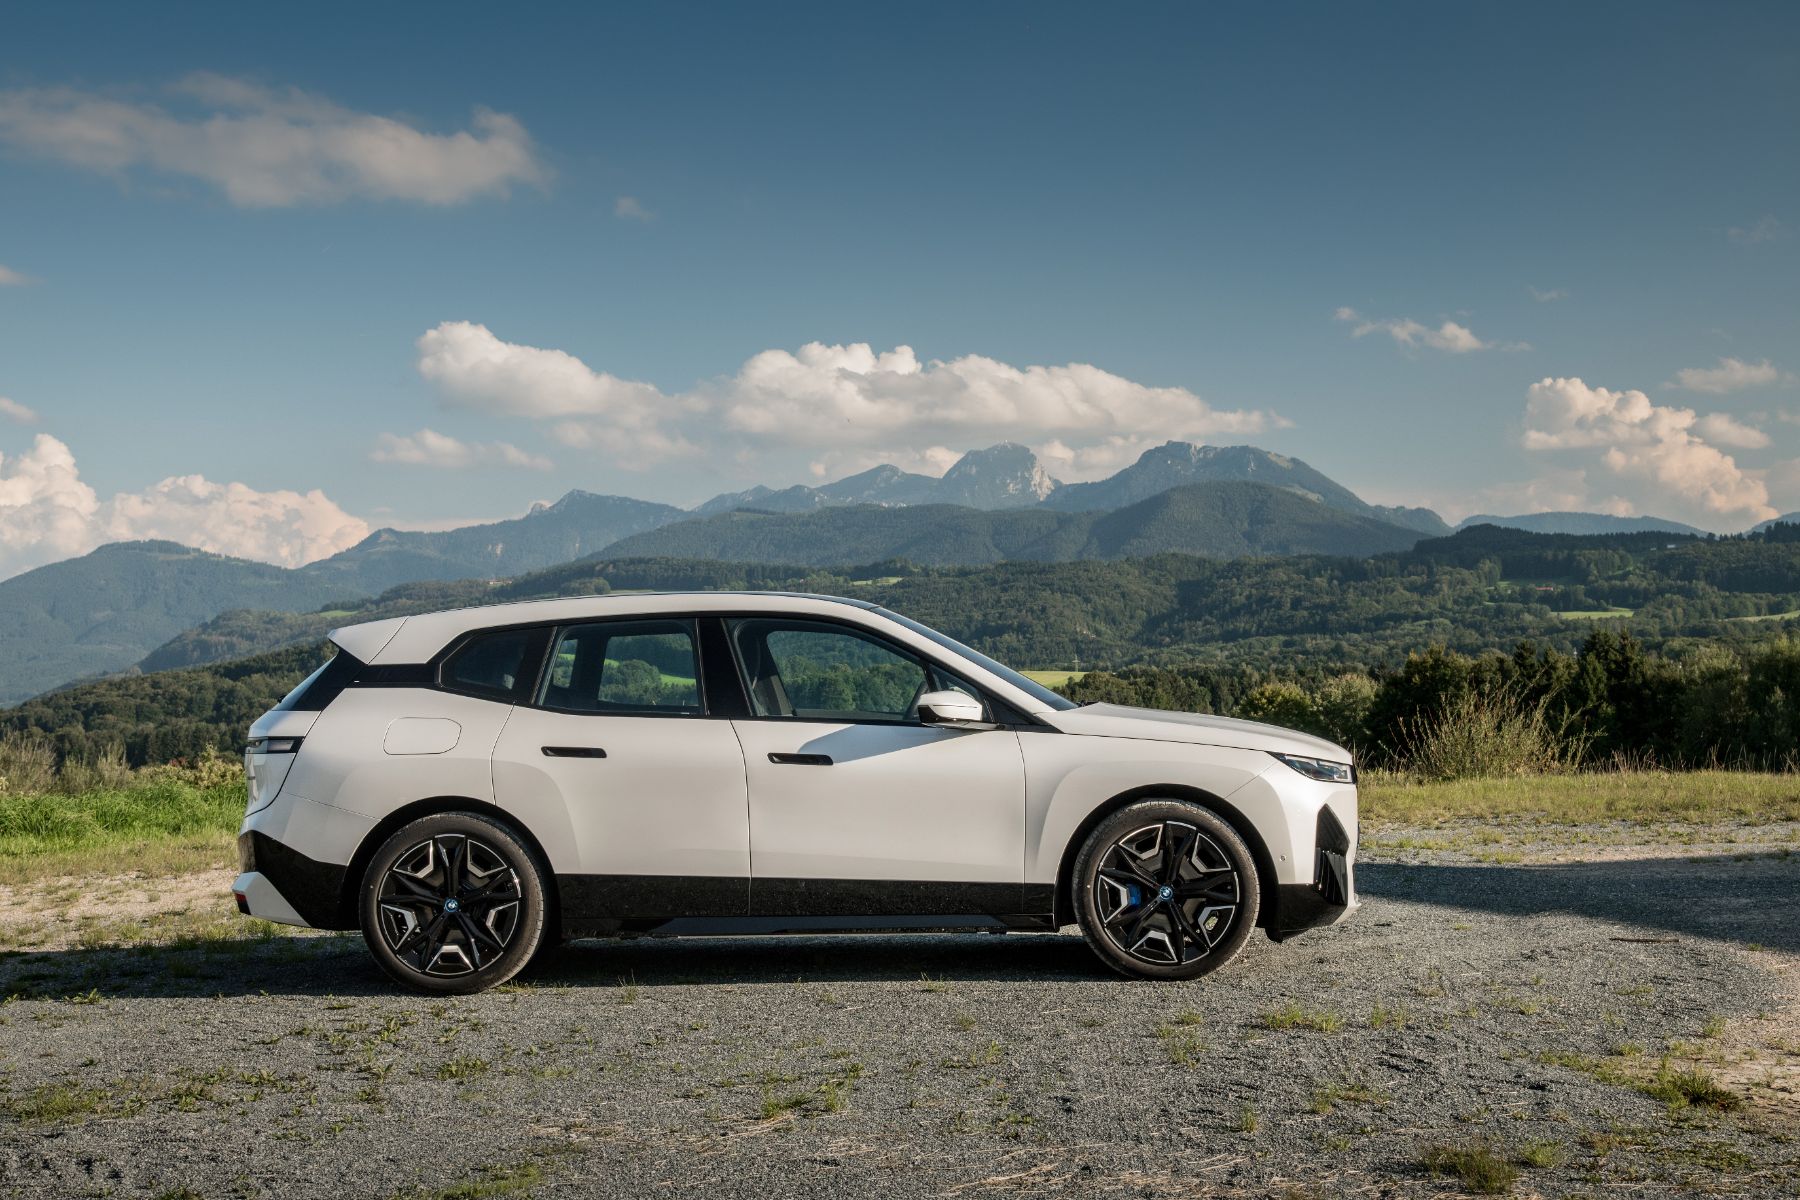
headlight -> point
(1321, 769)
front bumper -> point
(1331, 896)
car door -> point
(855, 806)
(643, 793)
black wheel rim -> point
(449, 905)
(1166, 893)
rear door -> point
(644, 791)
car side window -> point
(624, 666)
(488, 664)
(829, 672)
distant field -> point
(1743, 797)
(1596, 614)
(1780, 616)
(1053, 678)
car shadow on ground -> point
(1748, 899)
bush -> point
(1485, 734)
(27, 763)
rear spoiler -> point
(363, 642)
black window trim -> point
(718, 700)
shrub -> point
(27, 763)
(1485, 734)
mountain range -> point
(111, 609)
(1585, 523)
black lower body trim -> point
(314, 889)
(1299, 907)
(610, 905)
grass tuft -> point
(1474, 1164)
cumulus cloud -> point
(14, 411)
(48, 513)
(833, 398)
(1636, 438)
(429, 448)
(628, 208)
(1763, 229)
(1727, 430)
(12, 278)
(1448, 337)
(267, 147)
(1729, 375)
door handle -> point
(574, 752)
(801, 760)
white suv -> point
(467, 787)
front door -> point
(856, 808)
(647, 793)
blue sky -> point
(1363, 236)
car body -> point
(763, 762)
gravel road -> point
(1514, 1006)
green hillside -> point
(101, 612)
(1485, 589)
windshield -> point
(1030, 687)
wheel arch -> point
(1267, 895)
(431, 806)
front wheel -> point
(453, 903)
(1165, 889)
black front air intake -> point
(1331, 873)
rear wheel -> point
(1165, 889)
(453, 903)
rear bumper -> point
(281, 884)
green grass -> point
(160, 827)
(1052, 679)
(1596, 614)
(1475, 1165)
(1292, 1016)
(1587, 798)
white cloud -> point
(12, 278)
(429, 448)
(15, 411)
(1730, 375)
(1727, 430)
(629, 209)
(1547, 297)
(47, 513)
(1763, 229)
(829, 398)
(1448, 337)
(1636, 438)
(268, 147)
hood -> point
(1154, 724)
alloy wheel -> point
(449, 905)
(1166, 893)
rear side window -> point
(624, 666)
(488, 664)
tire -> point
(1152, 915)
(453, 903)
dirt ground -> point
(1552, 1012)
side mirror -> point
(951, 708)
